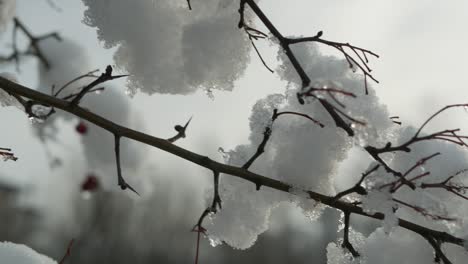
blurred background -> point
(44, 204)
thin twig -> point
(180, 131)
(120, 131)
(357, 188)
(121, 181)
(86, 75)
(260, 148)
(67, 253)
(104, 77)
(346, 244)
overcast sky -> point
(422, 67)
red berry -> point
(81, 128)
(90, 184)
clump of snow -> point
(381, 201)
(298, 152)
(21, 254)
(168, 49)
(400, 246)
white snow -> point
(167, 48)
(11, 253)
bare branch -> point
(121, 181)
(106, 76)
(67, 253)
(259, 55)
(448, 135)
(437, 113)
(120, 131)
(285, 44)
(424, 212)
(276, 114)
(7, 154)
(89, 74)
(180, 132)
(439, 254)
(402, 180)
(357, 188)
(359, 60)
(457, 189)
(346, 244)
(260, 149)
(33, 48)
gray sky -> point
(422, 68)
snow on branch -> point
(360, 60)
(217, 167)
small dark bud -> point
(300, 99)
(179, 128)
(109, 70)
(319, 34)
(361, 190)
(388, 145)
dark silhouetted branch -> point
(346, 244)
(90, 74)
(104, 77)
(33, 47)
(121, 181)
(447, 184)
(448, 135)
(439, 254)
(276, 114)
(7, 154)
(357, 188)
(360, 60)
(67, 253)
(424, 212)
(260, 148)
(180, 132)
(203, 161)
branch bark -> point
(204, 161)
